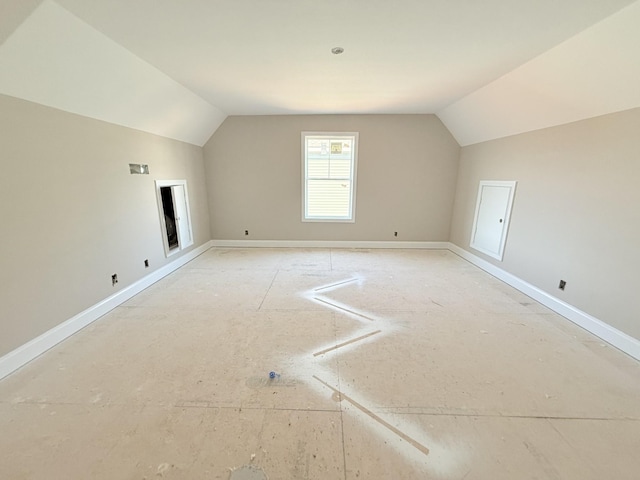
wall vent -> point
(138, 168)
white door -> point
(493, 210)
(182, 216)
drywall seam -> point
(611, 335)
(36, 347)
(329, 244)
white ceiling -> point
(57, 60)
(177, 68)
(593, 73)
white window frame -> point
(354, 168)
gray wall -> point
(576, 213)
(407, 167)
(73, 215)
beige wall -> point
(407, 166)
(576, 214)
(73, 215)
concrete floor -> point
(388, 364)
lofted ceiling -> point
(487, 68)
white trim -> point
(168, 252)
(617, 338)
(32, 349)
(511, 185)
(328, 244)
(354, 169)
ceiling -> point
(488, 69)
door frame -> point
(182, 244)
(505, 221)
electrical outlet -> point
(562, 284)
(146, 264)
(246, 232)
(114, 279)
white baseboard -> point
(32, 349)
(611, 335)
(36, 347)
(329, 244)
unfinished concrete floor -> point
(388, 364)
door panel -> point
(491, 222)
(182, 216)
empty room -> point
(345, 240)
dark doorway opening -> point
(169, 217)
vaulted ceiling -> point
(487, 68)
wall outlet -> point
(246, 232)
(114, 279)
(562, 284)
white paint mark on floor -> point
(407, 439)
(348, 342)
(248, 472)
(333, 286)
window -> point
(329, 176)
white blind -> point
(328, 198)
(329, 176)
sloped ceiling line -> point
(55, 59)
(593, 73)
(176, 69)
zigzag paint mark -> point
(407, 439)
(403, 436)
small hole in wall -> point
(146, 264)
(562, 284)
